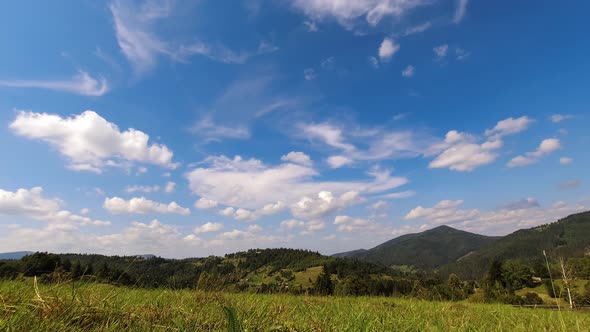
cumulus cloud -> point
(324, 204)
(208, 227)
(82, 84)
(32, 204)
(205, 204)
(373, 61)
(346, 12)
(248, 183)
(349, 224)
(520, 215)
(90, 142)
(546, 147)
(387, 49)
(305, 227)
(462, 151)
(297, 158)
(170, 187)
(141, 205)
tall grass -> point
(99, 307)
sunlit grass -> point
(98, 307)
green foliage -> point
(323, 284)
(233, 323)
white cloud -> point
(347, 11)
(492, 222)
(546, 147)
(236, 235)
(324, 204)
(387, 49)
(557, 118)
(349, 224)
(292, 223)
(309, 74)
(461, 151)
(141, 205)
(32, 204)
(208, 227)
(297, 158)
(228, 211)
(248, 183)
(381, 144)
(510, 126)
(170, 187)
(378, 206)
(408, 71)
(90, 142)
(565, 160)
(145, 189)
(398, 195)
(417, 29)
(338, 161)
(82, 84)
(205, 204)
(460, 10)
(135, 31)
(441, 51)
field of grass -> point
(98, 307)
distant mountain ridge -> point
(14, 255)
(444, 250)
(426, 250)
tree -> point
(495, 273)
(323, 284)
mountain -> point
(426, 250)
(14, 255)
(567, 237)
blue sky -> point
(195, 128)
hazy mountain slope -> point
(426, 250)
(14, 255)
(567, 237)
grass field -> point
(98, 307)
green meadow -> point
(81, 306)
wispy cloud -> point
(137, 37)
(460, 10)
(82, 84)
(417, 29)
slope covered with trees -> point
(424, 251)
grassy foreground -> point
(98, 307)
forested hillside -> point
(424, 251)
